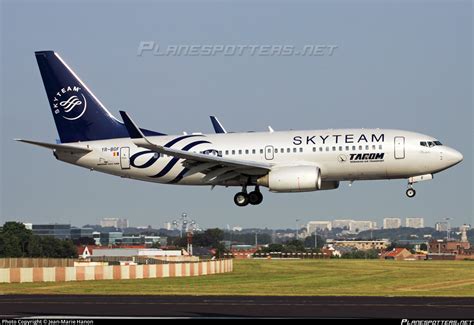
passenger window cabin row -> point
(296, 150)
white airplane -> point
(283, 161)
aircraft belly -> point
(351, 170)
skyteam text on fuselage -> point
(284, 161)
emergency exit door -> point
(125, 157)
(399, 147)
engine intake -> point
(292, 179)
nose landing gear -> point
(410, 191)
(415, 179)
(243, 198)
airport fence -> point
(311, 255)
(114, 272)
(14, 262)
(117, 260)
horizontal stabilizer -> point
(59, 147)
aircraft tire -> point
(241, 199)
(255, 197)
(411, 192)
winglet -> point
(133, 130)
(218, 128)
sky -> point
(396, 64)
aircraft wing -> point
(59, 147)
(217, 169)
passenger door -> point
(399, 147)
(125, 157)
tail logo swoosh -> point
(71, 108)
(69, 104)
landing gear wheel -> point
(255, 197)
(241, 199)
(411, 192)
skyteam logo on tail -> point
(70, 103)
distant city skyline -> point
(400, 64)
(120, 222)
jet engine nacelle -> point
(292, 179)
(329, 185)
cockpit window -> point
(430, 143)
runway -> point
(235, 306)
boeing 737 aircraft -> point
(283, 161)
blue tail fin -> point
(78, 114)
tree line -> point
(211, 238)
(17, 241)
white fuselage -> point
(340, 154)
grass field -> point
(291, 277)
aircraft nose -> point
(454, 156)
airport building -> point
(354, 226)
(114, 223)
(414, 222)
(60, 231)
(144, 240)
(342, 224)
(446, 249)
(416, 243)
(444, 246)
(96, 236)
(392, 223)
(442, 226)
(111, 238)
(135, 252)
(313, 226)
(28, 225)
(398, 254)
(359, 226)
(77, 233)
(361, 244)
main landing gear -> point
(243, 198)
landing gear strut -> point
(411, 191)
(255, 197)
(243, 198)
